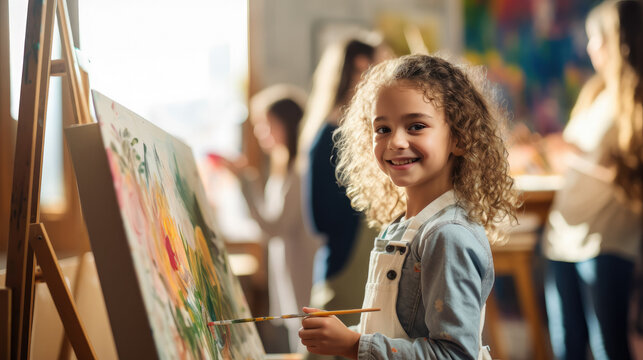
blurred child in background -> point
(594, 229)
(276, 113)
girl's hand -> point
(328, 336)
(236, 166)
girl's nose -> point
(398, 140)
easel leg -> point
(18, 247)
(60, 293)
(30, 288)
(20, 262)
(5, 323)
(78, 98)
(64, 346)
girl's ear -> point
(456, 149)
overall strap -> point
(483, 350)
(444, 200)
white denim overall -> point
(384, 273)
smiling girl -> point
(420, 150)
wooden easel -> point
(28, 240)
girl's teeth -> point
(401, 162)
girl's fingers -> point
(308, 310)
(312, 349)
(309, 342)
(307, 334)
(310, 333)
(313, 322)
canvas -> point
(535, 52)
(161, 262)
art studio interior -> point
(382, 179)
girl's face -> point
(596, 47)
(269, 132)
(412, 141)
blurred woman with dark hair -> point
(341, 264)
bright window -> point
(184, 67)
(181, 65)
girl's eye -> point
(416, 127)
(382, 130)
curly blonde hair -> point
(480, 177)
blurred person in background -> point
(341, 263)
(276, 113)
(594, 229)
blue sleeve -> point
(454, 263)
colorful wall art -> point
(162, 265)
(535, 50)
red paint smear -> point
(215, 159)
(170, 253)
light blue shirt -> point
(445, 281)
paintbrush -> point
(290, 316)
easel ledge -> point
(28, 239)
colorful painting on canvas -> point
(180, 261)
(535, 50)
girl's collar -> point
(444, 200)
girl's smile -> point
(402, 163)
